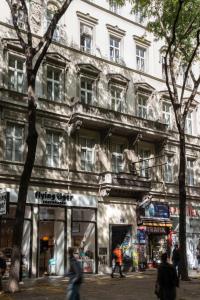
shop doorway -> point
(51, 243)
(157, 244)
(121, 234)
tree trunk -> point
(13, 283)
(182, 209)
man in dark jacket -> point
(176, 259)
(2, 269)
(167, 280)
(75, 277)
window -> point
(53, 149)
(114, 49)
(53, 84)
(142, 106)
(14, 142)
(144, 163)
(86, 90)
(190, 172)
(114, 7)
(86, 38)
(16, 73)
(166, 108)
(117, 158)
(50, 13)
(188, 81)
(168, 171)
(188, 123)
(87, 154)
(141, 58)
(117, 98)
(21, 20)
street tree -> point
(177, 24)
(34, 52)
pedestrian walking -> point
(198, 256)
(75, 277)
(176, 259)
(118, 260)
(167, 280)
(2, 269)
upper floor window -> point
(53, 149)
(114, 7)
(114, 49)
(190, 172)
(117, 98)
(21, 19)
(87, 154)
(141, 58)
(168, 171)
(86, 38)
(51, 9)
(53, 83)
(16, 73)
(144, 163)
(87, 90)
(14, 142)
(188, 123)
(142, 106)
(117, 158)
(166, 113)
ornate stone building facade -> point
(107, 157)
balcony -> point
(122, 123)
(123, 183)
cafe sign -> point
(4, 200)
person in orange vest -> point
(118, 257)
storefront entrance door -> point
(51, 248)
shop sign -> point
(154, 210)
(141, 236)
(53, 198)
(4, 202)
(190, 211)
(154, 229)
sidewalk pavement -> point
(136, 286)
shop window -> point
(53, 149)
(114, 49)
(86, 38)
(14, 142)
(16, 73)
(87, 153)
(190, 172)
(53, 83)
(117, 158)
(168, 171)
(141, 62)
(83, 238)
(142, 106)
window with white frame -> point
(117, 98)
(86, 90)
(53, 83)
(114, 7)
(87, 154)
(114, 49)
(144, 163)
(14, 142)
(188, 123)
(16, 73)
(86, 38)
(53, 149)
(51, 9)
(168, 169)
(142, 106)
(190, 172)
(117, 158)
(141, 58)
(166, 113)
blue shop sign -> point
(141, 236)
(157, 210)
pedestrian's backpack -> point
(2, 265)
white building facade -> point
(106, 168)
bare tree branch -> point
(46, 39)
(13, 9)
